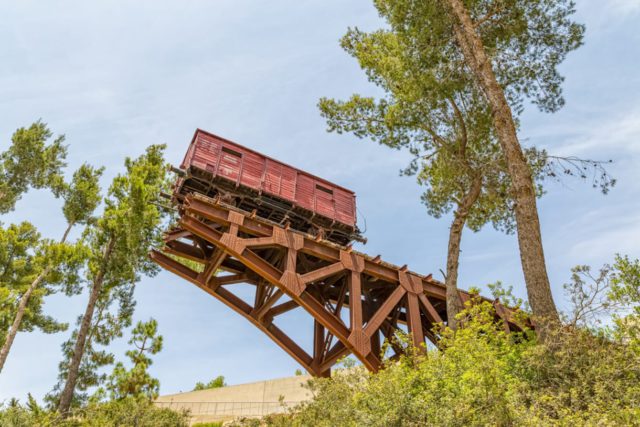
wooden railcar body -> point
(273, 190)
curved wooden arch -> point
(355, 300)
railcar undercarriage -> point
(271, 208)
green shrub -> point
(126, 412)
(482, 375)
(130, 412)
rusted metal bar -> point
(322, 273)
(415, 324)
(382, 313)
(260, 311)
(315, 275)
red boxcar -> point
(276, 191)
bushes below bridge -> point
(482, 375)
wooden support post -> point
(318, 350)
(414, 322)
(357, 337)
(259, 312)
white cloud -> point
(625, 7)
(623, 236)
(619, 132)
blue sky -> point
(116, 76)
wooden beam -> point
(322, 273)
(316, 289)
(281, 308)
(259, 312)
(212, 267)
(185, 250)
(414, 322)
(384, 310)
(433, 314)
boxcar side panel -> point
(324, 200)
(345, 206)
(186, 162)
(252, 168)
(230, 162)
(288, 183)
(272, 178)
(304, 191)
(206, 153)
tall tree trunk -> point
(66, 397)
(17, 321)
(528, 223)
(22, 307)
(454, 304)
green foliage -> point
(433, 109)
(24, 255)
(506, 297)
(482, 375)
(625, 291)
(525, 39)
(31, 163)
(612, 294)
(118, 243)
(136, 381)
(130, 223)
(211, 424)
(125, 412)
(217, 382)
(130, 412)
(82, 195)
(17, 269)
(47, 266)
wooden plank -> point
(337, 351)
(243, 261)
(415, 324)
(383, 311)
(322, 273)
(185, 250)
(174, 266)
(430, 310)
(212, 267)
(233, 266)
(260, 312)
(435, 291)
(290, 347)
(259, 242)
(355, 300)
(281, 308)
(231, 279)
(273, 332)
(221, 215)
(175, 234)
(318, 341)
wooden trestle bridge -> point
(355, 300)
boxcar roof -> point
(267, 157)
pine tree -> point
(31, 162)
(57, 264)
(118, 243)
(427, 61)
(137, 382)
(33, 266)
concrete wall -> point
(243, 400)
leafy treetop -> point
(31, 162)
